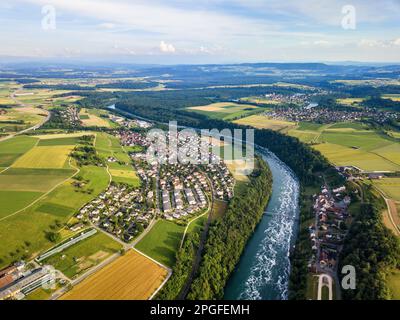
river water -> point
(264, 267)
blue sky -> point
(202, 31)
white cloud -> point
(107, 25)
(396, 42)
(167, 47)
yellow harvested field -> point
(130, 277)
(222, 107)
(64, 135)
(350, 101)
(263, 122)
(44, 157)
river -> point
(264, 267)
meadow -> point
(122, 171)
(225, 110)
(130, 277)
(390, 187)
(263, 122)
(92, 118)
(162, 242)
(12, 149)
(45, 215)
(45, 157)
(84, 255)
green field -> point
(68, 141)
(390, 186)
(226, 110)
(162, 242)
(393, 282)
(12, 149)
(20, 179)
(352, 143)
(109, 146)
(45, 157)
(24, 234)
(82, 256)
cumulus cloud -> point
(167, 47)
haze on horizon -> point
(201, 31)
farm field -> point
(122, 171)
(91, 118)
(19, 118)
(263, 122)
(130, 277)
(45, 157)
(350, 101)
(390, 187)
(125, 176)
(352, 144)
(84, 255)
(12, 149)
(46, 215)
(20, 179)
(225, 110)
(394, 97)
(162, 242)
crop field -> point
(91, 118)
(263, 122)
(19, 179)
(352, 143)
(390, 186)
(45, 215)
(125, 176)
(84, 255)
(350, 101)
(162, 242)
(19, 118)
(225, 110)
(130, 277)
(56, 136)
(394, 97)
(12, 149)
(45, 157)
(67, 141)
(344, 156)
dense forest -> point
(227, 237)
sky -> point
(201, 31)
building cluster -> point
(70, 115)
(127, 123)
(301, 99)
(132, 139)
(16, 281)
(121, 211)
(222, 180)
(328, 115)
(329, 229)
(183, 190)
